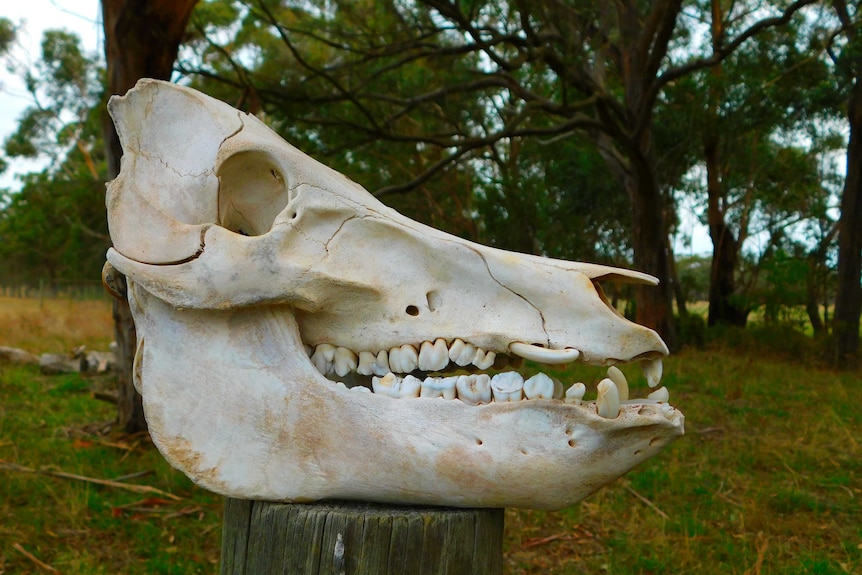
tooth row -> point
(436, 355)
(475, 389)
(479, 389)
(431, 356)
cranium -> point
(254, 270)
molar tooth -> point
(619, 378)
(507, 386)
(540, 386)
(308, 349)
(484, 359)
(322, 357)
(667, 410)
(661, 395)
(360, 388)
(544, 355)
(608, 401)
(652, 371)
(474, 389)
(381, 363)
(366, 363)
(433, 356)
(575, 394)
(344, 361)
(391, 385)
(439, 387)
(462, 353)
(409, 358)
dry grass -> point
(767, 480)
(55, 325)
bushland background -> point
(581, 130)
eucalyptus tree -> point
(54, 226)
(457, 82)
(840, 37)
(755, 108)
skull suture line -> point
(252, 268)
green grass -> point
(767, 479)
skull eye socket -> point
(253, 191)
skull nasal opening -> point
(253, 191)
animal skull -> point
(254, 272)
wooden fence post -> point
(351, 538)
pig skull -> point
(255, 272)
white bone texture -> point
(243, 255)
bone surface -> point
(242, 252)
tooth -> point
(474, 389)
(540, 386)
(395, 360)
(322, 357)
(667, 410)
(381, 364)
(652, 371)
(308, 349)
(543, 355)
(576, 393)
(462, 353)
(507, 386)
(439, 387)
(366, 363)
(608, 401)
(661, 395)
(360, 388)
(433, 356)
(484, 359)
(391, 385)
(619, 378)
(384, 385)
(410, 386)
(344, 361)
(409, 358)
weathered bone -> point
(242, 253)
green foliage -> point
(8, 34)
(55, 226)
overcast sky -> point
(82, 17)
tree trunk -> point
(725, 249)
(654, 306)
(142, 38)
(848, 300)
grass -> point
(765, 481)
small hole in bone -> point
(573, 443)
(654, 440)
(432, 298)
(641, 410)
(523, 452)
(638, 452)
(568, 431)
(412, 310)
(479, 442)
(276, 175)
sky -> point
(82, 17)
